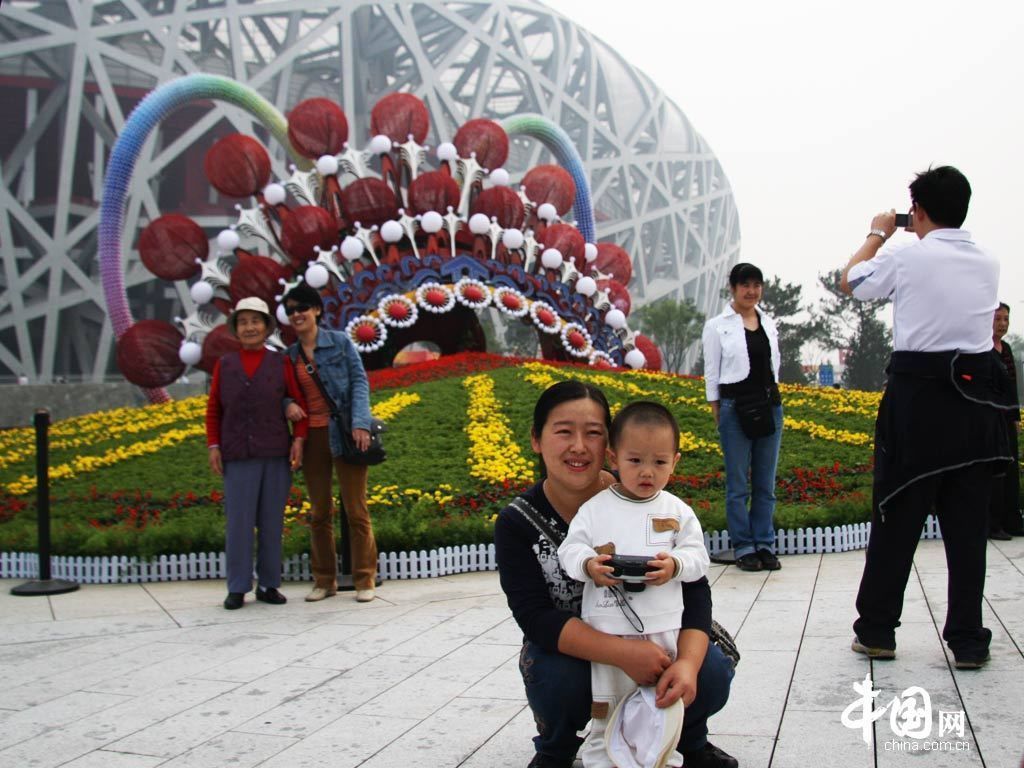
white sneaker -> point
(365, 595)
(319, 593)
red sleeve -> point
(299, 428)
(213, 409)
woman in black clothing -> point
(570, 433)
(1004, 508)
(741, 373)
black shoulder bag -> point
(375, 454)
(754, 410)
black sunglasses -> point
(294, 309)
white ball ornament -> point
(512, 239)
(635, 359)
(228, 240)
(590, 252)
(391, 231)
(547, 212)
(351, 248)
(317, 275)
(587, 286)
(190, 353)
(551, 258)
(201, 292)
(479, 224)
(380, 144)
(615, 319)
(274, 194)
(327, 165)
(499, 177)
(447, 152)
(431, 222)
(282, 316)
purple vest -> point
(253, 425)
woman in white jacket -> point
(741, 373)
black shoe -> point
(768, 560)
(234, 601)
(271, 596)
(971, 662)
(749, 562)
(546, 761)
(999, 535)
(709, 756)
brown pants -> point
(317, 464)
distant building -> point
(71, 73)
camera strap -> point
(627, 610)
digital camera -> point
(632, 570)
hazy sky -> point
(820, 112)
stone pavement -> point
(136, 676)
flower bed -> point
(135, 482)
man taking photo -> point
(940, 431)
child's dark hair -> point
(642, 412)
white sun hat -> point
(642, 735)
(252, 304)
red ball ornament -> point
(217, 343)
(170, 245)
(473, 293)
(317, 127)
(398, 311)
(307, 227)
(436, 297)
(568, 241)
(398, 115)
(576, 340)
(651, 352)
(546, 317)
(147, 354)
(433, 191)
(365, 333)
(237, 166)
(369, 201)
(511, 301)
(550, 184)
(602, 365)
(256, 276)
(484, 137)
(614, 261)
(502, 203)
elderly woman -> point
(570, 434)
(741, 375)
(249, 444)
(326, 361)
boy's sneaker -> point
(872, 652)
(709, 756)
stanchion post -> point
(345, 580)
(44, 585)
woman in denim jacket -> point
(333, 356)
(741, 361)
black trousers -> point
(1004, 509)
(960, 499)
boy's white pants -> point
(609, 685)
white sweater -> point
(662, 523)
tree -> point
(673, 325)
(782, 302)
(844, 322)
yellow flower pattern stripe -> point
(826, 433)
(494, 455)
(386, 410)
(393, 496)
(81, 465)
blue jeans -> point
(756, 459)
(558, 691)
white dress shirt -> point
(725, 350)
(943, 287)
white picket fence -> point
(390, 565)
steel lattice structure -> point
(71, 71)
